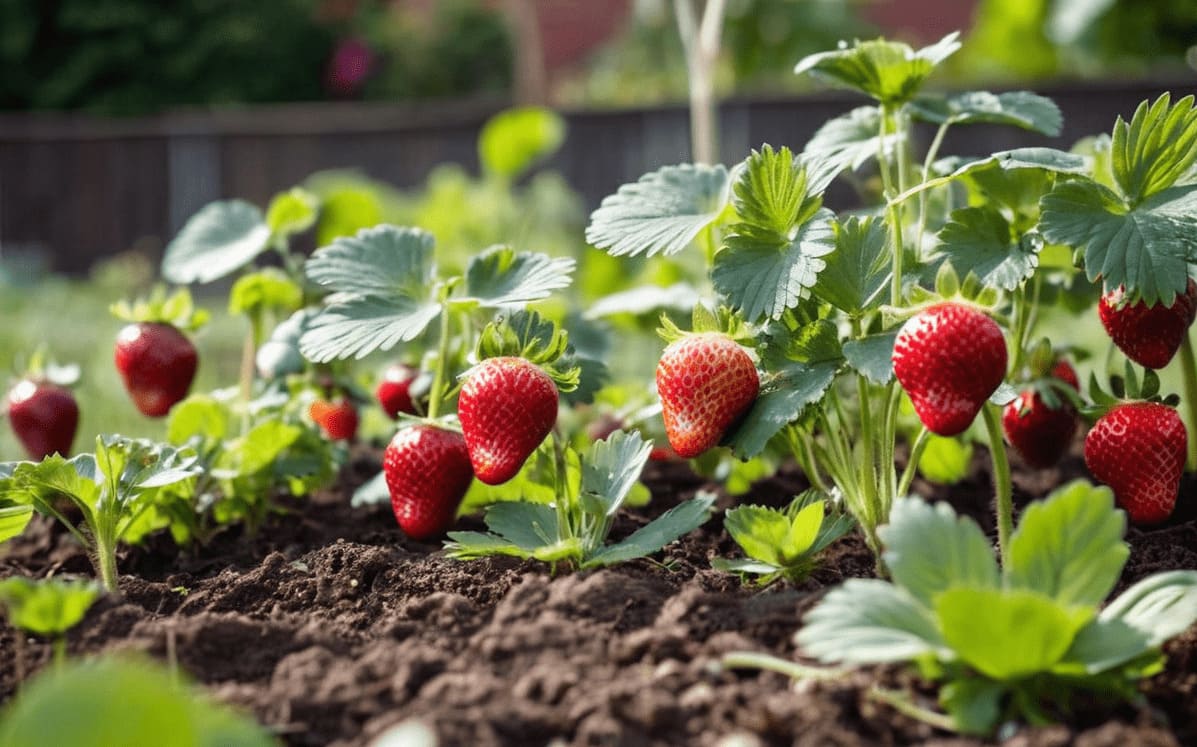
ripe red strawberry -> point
(338, 420)
(157, 363)
(1039, 433)
(1149, 335)
(44, 416)
(427, 472)
(1138, 449)
(394, 390)
(706, 383)
(949, 358)
(507, 407)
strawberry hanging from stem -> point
(156, 360)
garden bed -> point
(332, 627)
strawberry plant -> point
(782, 543)
(590, 489)
(42, 411)
(1021, 641)
(111, 490)
(49, 607)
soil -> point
(331, 627)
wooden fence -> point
(76, 188)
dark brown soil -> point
(331, 627)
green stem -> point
(932, 152)
(791, 669)
(1188, 371)
(1002, 487)
(902, 703)
(561, 490)
(58, 646)
(916, 454)
(106, 562)
(438, 380)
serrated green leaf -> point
(647, 299)
(872, 356)
(49, 607)
(499, 276)
(77, 479)
(661, 213)
(1159, 146)
(1069, 547)
(945, 460)
(523, 334)
(385, 261)
(1007, 634)
(292, 212)
(1047, 159)
(929, 550)
(760, 531)
(472, 545)
(867, 621)
(817, 342)
(782, 400)
(359, 326)
(858, 269)
(980, 240)
(593, 375)
(762, 274)
(668, 527)
(851, 140)
(266, 289)
(198, 415)
(771, 193)
(1017, 189)
(890, 72)
(13, 519)
(512, 141)
(1146, 249)
(140, 464)
(1161, 606)
(221, 238)
(528, 526)
(611, 467)
(1024, 109)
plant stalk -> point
(791, 669)
(1188, 364)
(105, 550)
(438, 380)
(1002, 486)
(58, 646)
(916, 455)
(902, 703)
(701, 41)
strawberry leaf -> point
(49, 607)
(1023, 109)
(979, 240)
(1156, 149)
(292, 212)
(772, 193)
(850, 140)
(382, 293)
(890, 72)
(13, 518)
(220, 239)
(859, 269)
(646, 299)
(668, 527)
(661, 213)
(268, 289)
(513, 140)
(868, 621)
(1145, 249)
(872, 356)
(500, 277)
(609, 470)
(1160, 606)
(783, 398)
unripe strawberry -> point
(44, 416)
(706, 383)
(1138, 449)
(1149, 335)
(157, 363)
(1039, 433)
(427, 471)
(949, 358)
(507, 407)
(394, 390)
(337, 420)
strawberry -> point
(44, 416)
(337, 420)
(706, 383)
(1149, 335)
(507, 407)
(1138, 449)
(157, 363)
(394, 390)
(1040, 433)
(427, 471)
(949, 358)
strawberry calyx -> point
(1125, 389)
(723, 321)
(528, 335)
(177, 310)
(41, 369)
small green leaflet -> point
(661, 213)
(979, 240)
(668, 527)
(610, 469)
(1160, 606)
(49, 607)
(855, 274)
(868, 621)
(266, 289)
(1156, 149)
(499, 276)
(1023, 109)
(872, 356)
(1146, 249)
(890, 72)
(221, 238)
(291, 212)
(850, 140)
(773, 192)
(782, 400)
(512, 141)
(13, 519)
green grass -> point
(71, 318)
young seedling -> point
(591, 488)
(41, 409)
(111, 489)
(782, 544)
(1019, 642)
(49, 607)
(156, 360)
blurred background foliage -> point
(129, 57)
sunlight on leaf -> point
(221, 238)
